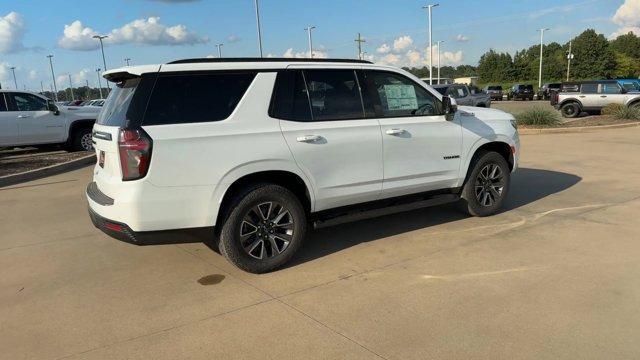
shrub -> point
(622, 112)
(538, 117)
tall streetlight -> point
(99, 83)
(53, 77)
(71, 88)
(126, 60)
(258, 25)
(540, 69)
(569, 57)
(13, 68)
(88, 92)
(438, 44)
(308, 29)
(219, 46)
(104, 62)
(360, 40)
(429, 7)
(42, 87)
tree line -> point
(595, 57)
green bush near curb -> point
(538, 117)
(622, 112)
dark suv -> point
(495, 91)
(520, 91)
(546, 89)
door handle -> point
(603, 95)
(582, 96)
(24, 116)
(395, 131)
(308, 138)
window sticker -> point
(401, 97)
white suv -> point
(28, 118)
(252, 152)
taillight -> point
(134, 146)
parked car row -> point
(573, 98)
(95, 102)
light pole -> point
(308, 29)
(127, 61)
(429, 7)
(540, 69)
(569, 57)
(13, 68)
(258, 25)
(88, 92)
(53, 77)
(438, 43)
(71, 87)
(99, 82)
(104, 62)
(360, 40)
(219, 47)
(42, 87)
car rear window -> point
(194, 98)
(114, 111)
(494, 88)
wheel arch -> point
(229, 189)
(79, 124)
(570, 100)
(498, 145)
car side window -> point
(193, 98)
(610, 89)
(290, 100)
(334, 95)
(589, 88)
(389, 94)
(28, 102)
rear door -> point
(8, 123)
(421, 149)
(322, 120)
(611, 93)
(36, 123)
(589, 96)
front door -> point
(36, 123)
(421, 149)
(335, 146)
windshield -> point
(115, 107)
(631, 86)
(441, 90)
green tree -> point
(627, 44)
(593, 57)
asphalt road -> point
(554, 276)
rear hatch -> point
(112, 118)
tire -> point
(264, 229)
(487, 185)
(635, 105)
(82, 140)
(570, 110)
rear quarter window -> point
(194, 98)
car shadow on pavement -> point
(527, 186)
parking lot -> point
(555, 275)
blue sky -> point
(150, 31)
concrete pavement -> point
(553, 276)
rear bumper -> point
(123, 232)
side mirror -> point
(623, 90)
(53, 108)
(449, 107)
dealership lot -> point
(555, 275)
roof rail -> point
(249, 59)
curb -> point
(574, 129)
(47, 171)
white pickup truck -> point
(28, 119)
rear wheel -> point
(487, 185)
(264, 230)
(82, 140)
(570, 110)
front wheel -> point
(487, 185)
(570, 110)
(264, 230)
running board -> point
(355, 215)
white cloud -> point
(390, 59)
(33, 75)
(414, 57)
(368, 57)
(383, 49)
(148, 31)
(628, 18)
(12, 31)
(451, 58)
(4, 71)
(233, 39)
(402, 43)
(317, 53)
(78, 79)
(462, 38)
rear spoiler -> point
(129, 72)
